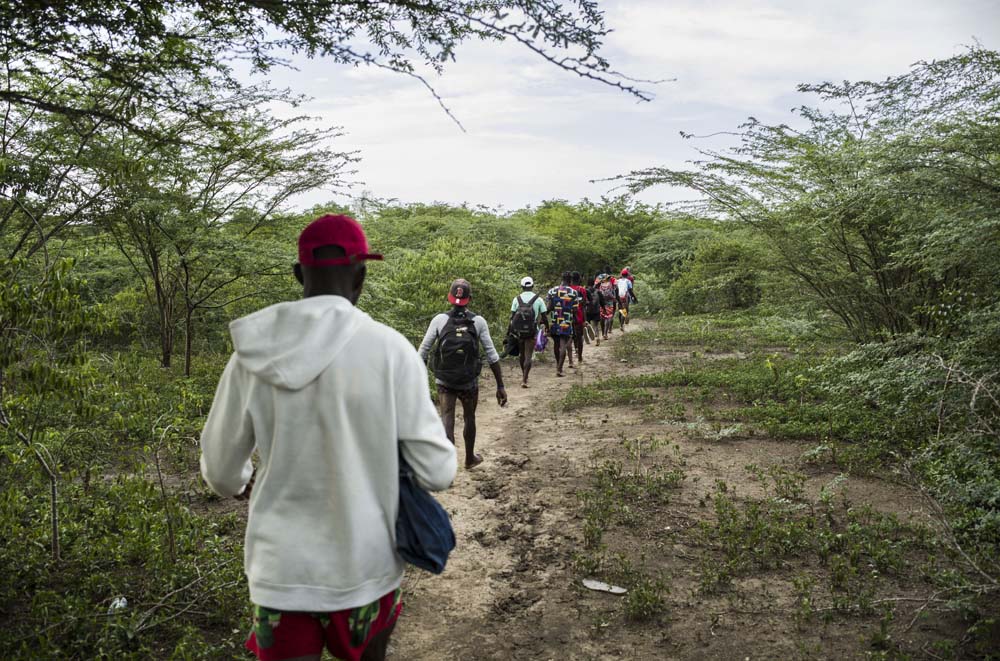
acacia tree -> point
(155, 49)
(47, 167)
(175, 210)
(866, 204)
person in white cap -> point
(528, 312)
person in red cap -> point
(329, 399)
(456, 337)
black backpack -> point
(523, 323)
(457, 363)
(593, 305)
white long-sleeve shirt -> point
(328, 397)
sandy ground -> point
(510, 590)
(515, 523)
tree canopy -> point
(149, 54)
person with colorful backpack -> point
(608, 297)
(456, 337)
(563, 304)
(579, 332)
(527, 313)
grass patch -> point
(758, 378)
(857, 552)
(732, 331)
(627, 494)
(899, 404)
(587, 396)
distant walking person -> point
(608, 298)
(580, 320)
(457, 336)
(625, 296)
(329, 399)
(563, 304)
(527, 314)
(593, 313)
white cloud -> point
(537, 132)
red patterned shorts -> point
(279, 635)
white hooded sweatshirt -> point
(326, 395)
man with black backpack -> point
(456, 337)
(527, 314)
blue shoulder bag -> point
(424, 537)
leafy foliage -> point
(884, 209)
(151, 55)
(98, 450)
(721, 275)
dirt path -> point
(510, 590)
(507, 590)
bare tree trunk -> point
(166, 330)
(188, 327)
(165, 500)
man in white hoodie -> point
(328, 398)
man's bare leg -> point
(378, 645)
(469, 404)
(527, 352)
(446, 402)
(578, 331)
(561, 347)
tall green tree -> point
(884, 205)
(156, 49)
(184, 214)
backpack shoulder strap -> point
(471, 317)
(454, 319)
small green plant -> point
(588, 564)
(804, 609)
(647, 595)
(788, 484)
(646, 599)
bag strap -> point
(454, 319)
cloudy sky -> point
(535, 132)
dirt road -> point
(511, 590)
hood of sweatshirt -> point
(290, 344)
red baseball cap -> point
(460, 292)
(341, 231)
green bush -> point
(722, 275)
